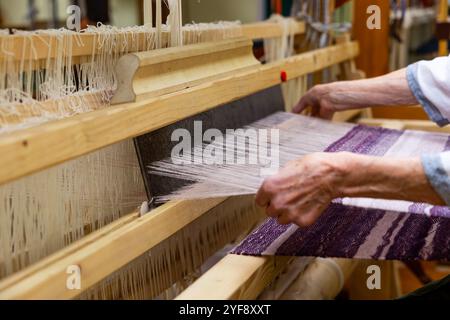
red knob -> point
(283, 76)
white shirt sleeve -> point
(429, 81)
(437, 169)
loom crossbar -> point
(36, 47)
(423, 125)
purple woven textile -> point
(348, 229)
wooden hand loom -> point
(163, 87)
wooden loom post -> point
(374, 44)
(442, 18)
(148, 12)
(158, 24)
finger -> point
(301, 106)
(326, 114)
(262, 197)
(272, 212)
(307, 219)
(284, 219)
(315, 112)
(281, 213)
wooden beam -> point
(145, 75)
(422, 125)
(400, 113)
(103, 252)
(34, 149)
(236, 278)
(36, 47)
(395, 125)
(267, 30)
(348, 115)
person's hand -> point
(318, 98)
(302, 190)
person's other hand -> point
(302, 190)
(318, 98)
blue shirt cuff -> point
(437, 176)
(432, 111)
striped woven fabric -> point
(366, 228)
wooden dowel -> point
(323, 279)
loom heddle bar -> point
(154, 73)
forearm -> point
(391, 89)
(385, 178)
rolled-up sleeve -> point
(437, 169)
(429, 81)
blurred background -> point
(407, 34)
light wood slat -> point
(267, 30)
(84, 44)
(103, 252)
(31, 150)
(416, 112)
(149, 74)
(236, 278)
(346, 116)
(422, 125)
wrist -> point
(360, 175)
(336, 95)
(342, 171)
(384, 178)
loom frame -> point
(29, 151)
